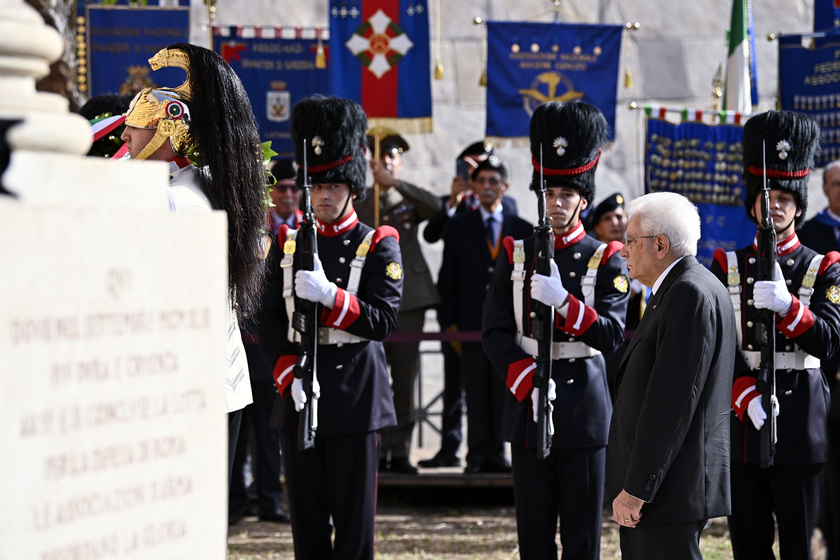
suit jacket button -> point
(341, 259)
(652, 477)
(339, 366)
(647, 487)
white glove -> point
(314, 286)
(535, 400)
(756, 412)
(773, 295)
(549, 289)
(299, 395)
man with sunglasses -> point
(285, 196)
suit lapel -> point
(652, 309)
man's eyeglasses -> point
(493, 182)
(634, 237)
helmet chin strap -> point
(346, 202)
(164, 130)
(574, 214)
(150, 148)
(790, 223)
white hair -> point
(828, 167)
(671, 215)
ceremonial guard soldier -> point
(805, 298)
(588, 289)
(356, 281)
(209, 117)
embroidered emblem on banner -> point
(393, 271)
(379, 43)
(621, 284)
(548, 86)
(278, 105)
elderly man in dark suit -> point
(668, 450)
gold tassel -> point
(438, 68)
(628, 79)
(482, 81)
(320, 59)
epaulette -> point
(720, 257)
(830, 258)
(612, 248)
(508, 243)
(381, 233)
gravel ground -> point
(464, 526)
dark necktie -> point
(488, 225)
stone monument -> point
(112, 423)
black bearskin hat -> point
(571, 136)
(492, 163)
(787, 142)
(333, 130)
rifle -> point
(305, 320)
(765, 381)
(542, 323)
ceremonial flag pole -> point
(736, 96)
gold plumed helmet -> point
(165, 110)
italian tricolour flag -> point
(736, 96)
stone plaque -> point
(112, 423)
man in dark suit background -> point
(471, 245)
(668, 450)
(463, 198)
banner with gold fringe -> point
(380, 58)
(119, 40)
(278, 67)
(529, 64)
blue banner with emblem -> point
(380, 59)
(809, 82)
(704, 163)
(531, 63)
(120, 40)
(278, 68)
